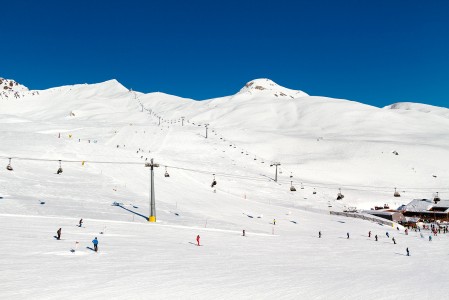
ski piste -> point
(328, 146)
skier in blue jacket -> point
(95, 242)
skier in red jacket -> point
(198, 239)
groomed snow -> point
(323, 143)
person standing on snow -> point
(408, 253)
(274, 221)
(394, 241)
(59, 234)
(319, 234)
(369, 234)
(198, 239)
(347, 234)
(376, 237)
(81, 222)
(95, 242)
(388, 235)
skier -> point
(408, 253)
(430, 238)
(347, 234)
(81, 222)
(59, 234)
(95, 242)
(198, 239)
(388, 235)
(369, 234)
(394, 241)
(274, 221)
(319, 234)
(376, 237)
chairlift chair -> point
(436, 198)
(166, 173)
(292, 188)
(314, 192)
(340, 195)
(396, 193)
(8, 167)
(59, 169)
(214, 182)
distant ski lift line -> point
(253, 178)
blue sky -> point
(375, 52)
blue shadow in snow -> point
(131, 211)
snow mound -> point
(424, 108)
(267, 87)
(11, 85)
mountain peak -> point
(11, 85)
(265, 86)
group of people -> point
(94, 241)
(376, 238)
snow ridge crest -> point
(265, 86)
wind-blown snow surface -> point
(324, 143)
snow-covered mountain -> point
(424, 108)
(266, 87)
(11, 85)
(102, 135)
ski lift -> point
(166, 173)
(59, 169)
(292, 188)
(214, 182)
(396, 193)
(302, 187)
(314, 192)
(340, 195)
(436, 198)
(8, 167)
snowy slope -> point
(11, 85)
(424, 108)
(323, 143)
